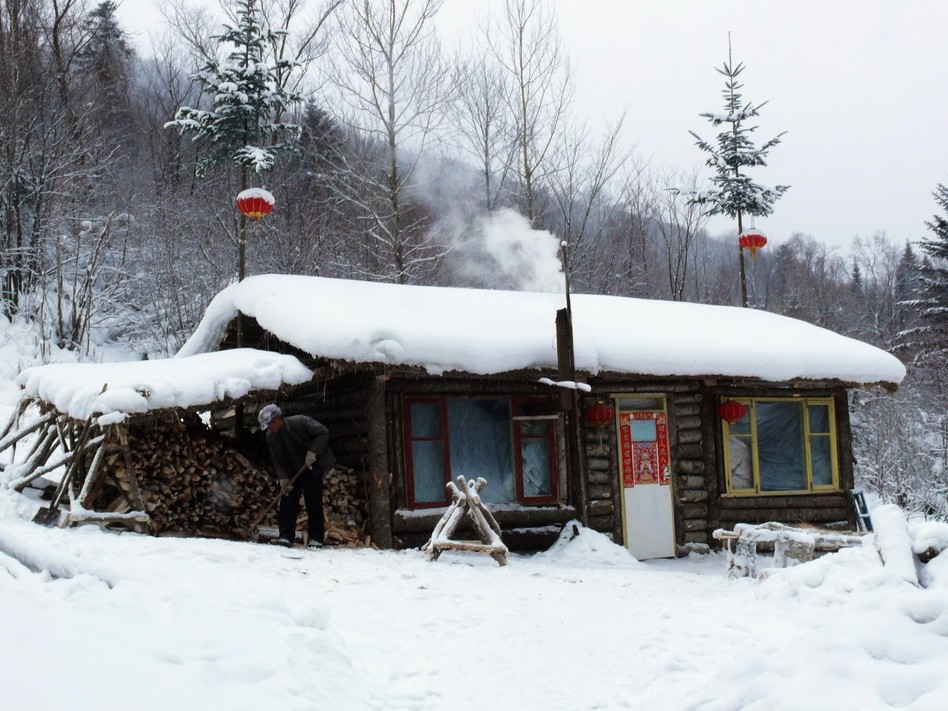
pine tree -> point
(244, 126)
(856, 275)
(933, 283)
(906, 287)
(106, 54)
(104, 70)
(734, 193)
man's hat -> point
(267, 414)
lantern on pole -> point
(255, 203)
(752, 239)
(731, 411)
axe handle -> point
(277, 498)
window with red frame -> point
(486, 437)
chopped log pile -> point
(193, 481)
(189, 481)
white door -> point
(648, 520)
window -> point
(782, 446)
(488, 437)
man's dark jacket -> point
(289, 445)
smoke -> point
(522, 256)
(500, 250)
(494, 250)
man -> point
(298, 444)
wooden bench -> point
(798, 544)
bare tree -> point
(300, 36)
(394, 88)
(878, 260)
(525, 42)
(485, 125)
(679, 223)
(585, 211)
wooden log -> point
(599, 477)
(14, 418)
(43, 446)
(686, 408)
(52, 465)
(596, 464)
(688, 423)
(833, 500)
(688, 451)
(599, 491)
(693, 495)
(689, 437)
(422, 522)
(690, 466)
(14, 437)
(691, 482)
(601, 507)
(498, 551)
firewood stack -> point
(193, 481)
(345, 514)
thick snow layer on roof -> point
(141, 386)
(483, 331)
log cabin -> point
(653, 422)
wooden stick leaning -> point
(269, 507)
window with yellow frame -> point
(782, 446)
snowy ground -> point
(94, 620)
(115, 621)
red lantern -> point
(255, 203)
(752, 239)
(600, 414)
(731, 411)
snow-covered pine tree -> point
(106, 54)
(733, 193)
(104, 70)
(245, 125)
(933, 284)
(906, 288)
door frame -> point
(662, 400)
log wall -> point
(687, 436)
(601, 467)
(699, 491)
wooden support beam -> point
(52, 465)
(14, 417)
(93, 470)
(134, 490)
(44, 445)
(14, 437)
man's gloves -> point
(310, 457)
(285, 487)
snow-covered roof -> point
(485, 331)
(141, 386)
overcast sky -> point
(860, 87)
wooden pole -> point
(740, 251)
(574, 446)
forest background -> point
(406, 165)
